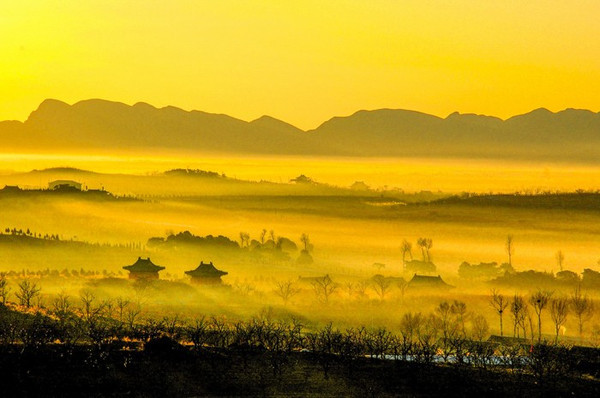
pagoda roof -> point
(143, 265)
(205, 270)
(428, 281)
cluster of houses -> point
(204, 274)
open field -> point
(354, 235)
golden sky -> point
(302, 61)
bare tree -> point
(305, 241)
(582, 306)
(61, 304)
(122, 304)
(262, 236)
(244, 239)
(27, 292)
(132, 315)
(381, 285)
(286, 290)
(428, 246)
(560, 258)
(4, 288)
(447, 321)
(422, 242)
(425, 244)
(360, 289)
(89, 311)
(349, 288)
(480, 327)
(559, 310)
(539, 300)
(499, 303)
(402, 284)
(510, 248)
(459, 309)
(324, 287)
(518, 310)
(410, 325)
(406, 249)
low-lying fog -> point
(354, 233)
(410, 174)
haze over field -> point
(205, 198)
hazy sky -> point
(302, 61)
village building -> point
(206, 274)
(143, 269)
(64, 185)
(11, 189)
(428, 282)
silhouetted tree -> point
(518, 308)
(122, 304)
(406, 249)
(27, 292)
(324, 287)
(499, 303)
(480, 327)
(447, 323)
(582, 306)
(381, 285)
(262, 236)
(402, 285)
(459, 309)
(305, 241)
(4, 288)
(559, 310)
(286, 290)
(539, 300)
(410, 329)
(560, 258)
(244, 239)
(425, 244)
(510, 249)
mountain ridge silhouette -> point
(570, 134)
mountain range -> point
(571, 134)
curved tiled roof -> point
(428, 281)
(206, 271)
(143, 265)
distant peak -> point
(98, 101)
(266, 120)
(48, 106)
(143, 105)
(52, 103)
(541, 111)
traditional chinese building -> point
(143, 269)
(428, 282)
(206, 274)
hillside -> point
(175, 182)
(572, 135)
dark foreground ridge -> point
(68, 355)
(165, 369)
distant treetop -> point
(194, 172)
(302, 179)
